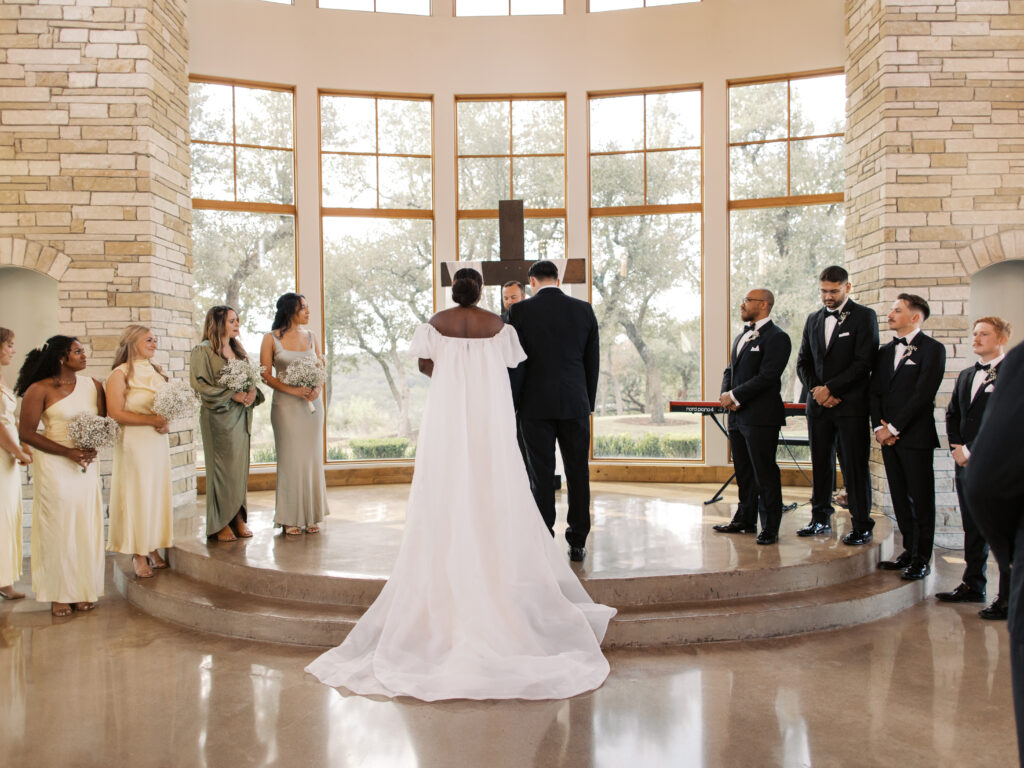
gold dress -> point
(67, 511)
(10, 496)
(141, 512)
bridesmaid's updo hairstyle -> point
(215, 330)
(466, 286)
(126, 352)
(287, 306)
(6, 334)
(43, 362)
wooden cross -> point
(513, 264)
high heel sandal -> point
(12, 595)
(142, 570)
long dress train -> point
(481, 603)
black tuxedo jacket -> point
(905, 397)
(845, 365)
(754, 376)
(963, 415)
(558, 379)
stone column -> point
(94, 173)
(935, 144)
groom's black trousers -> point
(573, 436)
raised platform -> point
(652, 554)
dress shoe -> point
(814, 529)
(998, 611)
(576, 554)
(734, 527)
(854, 538)
(962, 594)
(916, 571)
(898, 564)
(767, 538)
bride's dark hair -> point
(466, 286)
(43, 363)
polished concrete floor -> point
(929, 687)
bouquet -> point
(176, 401)
(241, 375)
(89, 431)
(306, 372)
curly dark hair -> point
(43, 363)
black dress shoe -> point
(734, 527)
(916, 571)
(814, 529)
(962, 594)
(576, 554)
(898, 564)
(857, 537)
(998, 611)
(767, 538)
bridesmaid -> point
(298, 434)
(67, 511)
(141, 512)
(225, 421)
(11, 454)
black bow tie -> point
(980, 367)
(751, 327)
(832, 313)
(901, 340)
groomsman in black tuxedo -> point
(554, 391)
(974, 387)
(995, 494)
(907, 374)
(751, 391)
(835, 360)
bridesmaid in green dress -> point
(225, 421)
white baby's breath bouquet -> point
(176, 401)
(90, 431)
(240, 375)
(306, 372)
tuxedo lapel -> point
(760, 334)
(981, 395)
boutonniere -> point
(842, 316)
(754, 336)
(991, 377)
(911, 349)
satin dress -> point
(10, 495)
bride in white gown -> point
(481, 603)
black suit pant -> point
(573, 436)
(757, 475)
(912, 487)
(976, 547)
(854, 437)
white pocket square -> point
(843, 334)
(910, 362)
(990, 388)
(755, 349)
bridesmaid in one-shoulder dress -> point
(67, 510)
(12, 453)
(297, 415)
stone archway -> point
(992, 249)
(28, 254)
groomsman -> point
(751, 391)
(906, 376)
(836, 356)
(974, 387)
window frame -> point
(457, 15)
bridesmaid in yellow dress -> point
(11, 454)
(141, 512)
(67, 511)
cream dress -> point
(10, 496)
(67, 511)
(141, 512)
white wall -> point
(28, 306)
(704, 43)
(997, 291)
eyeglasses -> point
(747, 300)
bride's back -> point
(467, 323)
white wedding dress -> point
(481, 603)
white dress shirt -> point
(744, 340)
(831, 322)
(901, 352)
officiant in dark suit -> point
(995, 495)
(974, 387)
(907, 374)
(752, 392)
(836, 355)
(512, 292)
(554, 391)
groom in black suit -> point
(751, 391)
(554, 392)
(907, 374)
(836, 356)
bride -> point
(481, 604)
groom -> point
(554, 392)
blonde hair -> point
(215, 330)
(1002, 327)
(6, 334)
(127, 353)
